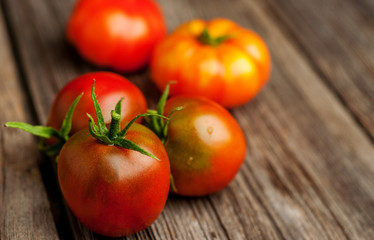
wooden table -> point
(309, 171)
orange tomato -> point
(217, 59)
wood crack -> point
(260, 202)
(219, 219)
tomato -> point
(217, 60)
(115, 182)
(205, 145)
(116, 33)
(110, 88)
(111, 190)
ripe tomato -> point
(110, 88)
(115, 182)
(116, 33)
(217, 59)
(205, 145)
(114, 191)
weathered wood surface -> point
(24, 207)
(337, 39)
(309, 171)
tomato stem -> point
(206, 39)
(99, 115)
(114, 136)
(160, 125)
(115, 125)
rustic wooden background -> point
(309, 171)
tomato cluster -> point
(114, 172)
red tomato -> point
(116, 33)
(110, 88)
(205, 145)
(114, 191)
(224, 62)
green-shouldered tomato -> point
(204, 142)
(205, 145)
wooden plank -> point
(337, 38)
(24, 207)
(330, 158)
(309, 170)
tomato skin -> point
(116, 33)
(110, 89)
(231, 73)
(205, 145)
(111, 190)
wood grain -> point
(337, 37)
(309, 171)
(24, 207)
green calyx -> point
(44, 133)
(172, 184)
(114, 135)
(160, 125)
(206, 39)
